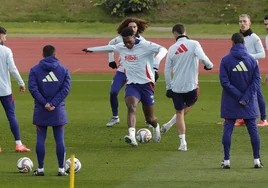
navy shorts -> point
(182, 99)
(143, 92)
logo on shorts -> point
(152, 97)
(131, 58)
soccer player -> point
(119, 80)
(140, 65)
(255, 48)
(183, 62)
(265, 21)
(7, 66)
(49, 84)
(240, 80)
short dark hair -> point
(265, 17)
(238, 38)
(48, 50)
(3, 30)
(127, 32)
(179, 28)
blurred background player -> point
(7, 66)
(255, 48)
(140, 73)
(183, 63)
(240, 80)
(49, 84)
(119, 80)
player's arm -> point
(111, 60)
(199, 52)
(252, 88)
(260, 53)
(107, 48)
(156, 48)
(63, 92)
(168, 73)
(33, 88)
(14, 71)
(226, 84)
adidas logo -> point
(51, 77)
(240, 67)
(182, 48)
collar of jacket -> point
(247, 33)
(181, 36)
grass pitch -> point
(109, 162)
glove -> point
(85, 50)
(113, 65)
(169, 93)
(207, 68)
(156, 75)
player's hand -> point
(86, 50)
(169, 93)
(22, 89)
(113, 65)
(156, 75)
(207, 68)
(49, 107)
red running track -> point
(28, 52)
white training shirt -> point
(7, 65)
(266, 42)
(254, 46)
(138, 61)
(183, 61)
(115, 41)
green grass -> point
(108, 30)
(167, 11)
(109, 162)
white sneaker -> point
(182, 148)
(225, 164)
(258, 163)
(165, 127)
(131, 140)
(156, 134)
(112, 122)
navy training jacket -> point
(49, 82)
(240, 80)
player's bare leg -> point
(181, 129)
(132, 103)
(151, 119)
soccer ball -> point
(25, 165)
(144, 135)
(77, 165)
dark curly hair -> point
(142, 24)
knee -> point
(131, 107)
(114, 93)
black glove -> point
(169, 93)
(85, 50)
(207, 68)
(113, 65)
(156, 75)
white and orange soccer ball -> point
(144, 135)
(25, 165)
(77, 165)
